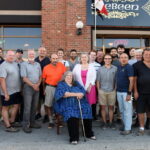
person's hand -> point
(128, 98)
(36, 87)
(89, 88)
(7, 97)
(136, 95)
(79, 95)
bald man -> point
(10, 93)
(52, 74)
(125, 81)
(31, 74)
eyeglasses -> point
(107, 58)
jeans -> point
(31, 98)
(125, 108)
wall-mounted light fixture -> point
(79, 26)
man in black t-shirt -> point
(142, 88)
(43, 61)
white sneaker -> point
(93, 138)
(74, 142)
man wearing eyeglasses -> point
(106, 76)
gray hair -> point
(65, 74)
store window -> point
(20, 37)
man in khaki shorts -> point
(52, 74)
(106, 79)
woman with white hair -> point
(67, 94)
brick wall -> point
(58, 25)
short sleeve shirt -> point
(44, 62)
(53, 74)
(123, 74)
(31, 71)
(142, 72)
(107, 78)
(10, 71)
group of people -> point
(108, 80)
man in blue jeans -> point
(125, 81)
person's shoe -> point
(103, 126)
(35, 125)
(16, 124)
(140, 132)
(147, 127)
(38, 116)
(93, 138)
(51, 125)
(11, 129)
(125, 132)
(74, 142)
(46, 119)
(112, 126)
(27, 129)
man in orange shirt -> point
(52, 74)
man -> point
(120, 49)
(52, 74)
(106, 80)
(142, 88)
(1, 56)
(92, 61)
(114, 54)
(99, 57)
(19, 60)
(73, 59)
(43, 61)
(10, 94)
(125, 83)
(138, 54)
(132, 60)
(31, 74)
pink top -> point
(83, 76)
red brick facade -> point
(58, 25)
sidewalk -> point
(47, 139)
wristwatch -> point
(129, 93)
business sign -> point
(121, 13)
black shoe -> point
(11, 129)
(112, 126)
(104, 125)
(16, 124)
(46, 119)
(27, 129)
(38, 116)
(125, 132)
(35, 125)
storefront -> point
(29, 23)
(20, 24)
(125, 24)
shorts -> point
(14, 99)
(107, 98)
(143, 103)
(49, 96)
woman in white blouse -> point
(85, 74)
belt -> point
(51, 85)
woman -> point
(85, 74)
(66, 95)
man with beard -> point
(120, 49)
(114, 54)
(73, 59)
